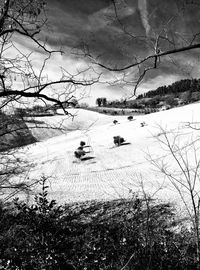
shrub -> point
(84, 105)
(118, 140)
(82, 143)
(32, 237)
(114, 112)
(172, 101)
(130, 117)
(136, 232)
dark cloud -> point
(94, 22)
(79, 7)
(72, 21)
(69, 21)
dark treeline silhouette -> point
(174, 88)
(101, 101)
(178, 93)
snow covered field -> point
(108, 172)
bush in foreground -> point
(121, 234)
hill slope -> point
(50, 126)
(110, 172)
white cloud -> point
(142, 5)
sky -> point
(117, 35)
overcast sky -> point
(94, 22)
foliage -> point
(32, 236)
(84, 105)
(170, 100)
(180, 92)
(101, 101)
(118, 140)
(130, 117)
(135, 233)
(176, 87)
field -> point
(108, 171)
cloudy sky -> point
(116, 35)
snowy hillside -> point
(109, 171)
(78, 119)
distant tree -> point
(170, 100)
(84, 105)
(114, 113)
(104, 101)
(99, 102)
(38, 108)
(177, 87)
(155, 101)
(186, 96)
(130, 117)
(195, 96)
(73, 102)
(21, 112)
(140, 96)
(125, 102)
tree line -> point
(185, 91)
(176, 87)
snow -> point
(111, 172)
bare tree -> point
(160, 43)
(181, 166)
(24, 82)
(19, 77)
